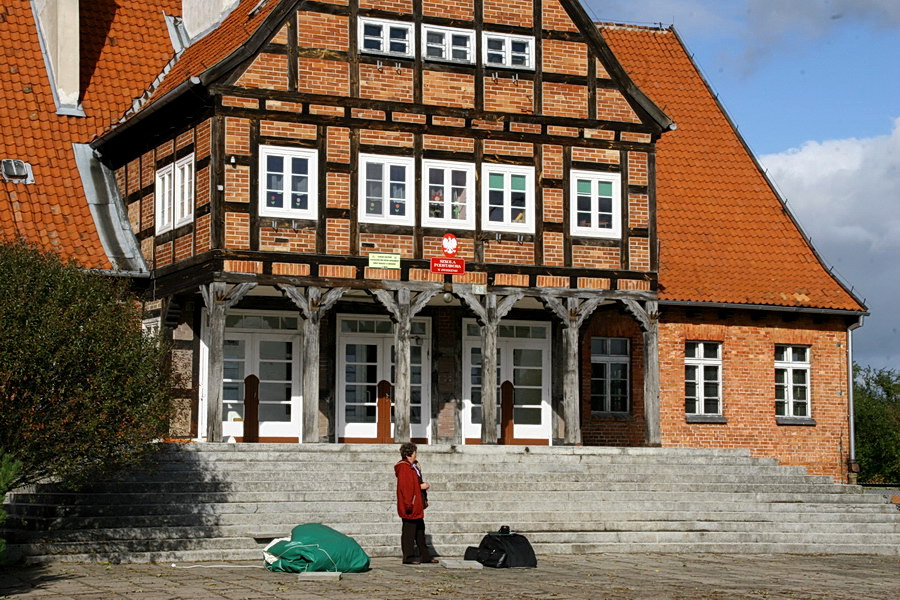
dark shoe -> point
(411, 562)
(430, 561)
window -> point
(445, 43)
(386, 37)
(288, 182)
(501, 50)
(609, 375)
(596, 204)
(448, 194)
(184, 190)
(508, 198)
(386, 190)
(175, 194)
(792, 381)
(703, 378)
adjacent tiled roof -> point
(216, 46)
(725, 237)
(125, 44)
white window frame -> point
(609, 360)
(507, 50)
(385, 217)
(447, 166)
(789, 365)
(312, 156)
(385, 37)
(447, 45)
(174, 201)
(594, 229)
(700, 362)
(165, 188)
(183, 198)
(507, 224)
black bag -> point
(511, 550)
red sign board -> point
(449, 266)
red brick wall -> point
(602, 429)
(387, 83)
(749, 387)
(509, 12)
(449, 89)
(320, 30)
(268, 71)
(565, 57)
(556, 17)
(506, 95)
(458, 9)
(318, 76)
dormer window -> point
(386, 37)
(514, 51)
(448, 44)
(16, 171)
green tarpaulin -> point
(316, 547)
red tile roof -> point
(725, 236)
(125, 44)
(230, 36)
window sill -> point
(713, 419)
(803, 421)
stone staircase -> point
(223, 502)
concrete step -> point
(442, 487)
(589, 496)
(215, 500)
(233, 549)
(472, 527)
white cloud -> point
(845, 189)
(846, 195)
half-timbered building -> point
(466, 222)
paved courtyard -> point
(613, 576)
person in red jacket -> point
(411, 505)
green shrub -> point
(82, 389)
(877, 419)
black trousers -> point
(412, 535)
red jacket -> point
(409, 494)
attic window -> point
(16, 171)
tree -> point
(82, 388)
(877, 418)
(9, 470)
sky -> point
(814, 88)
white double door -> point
(275, 360)
(366, 356)
(523, 358)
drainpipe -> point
(852, 466)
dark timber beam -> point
(218, 301)
(313, 302)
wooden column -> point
(312, 302)
(489, 311)
(218, 301)
(403, 306)
(573, 315)
(648, 317)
